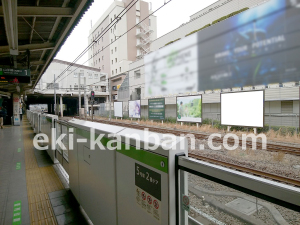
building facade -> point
(114, 49)
(68, 84)
(281, 100)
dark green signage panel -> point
(8, 75)
(148, 180)
(156, 109)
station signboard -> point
(9, 75)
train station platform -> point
(31, 191)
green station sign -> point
(156, 109)
(9, 75)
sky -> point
(169, 17)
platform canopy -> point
(31, 34)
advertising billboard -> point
(243, 109)
(134, 109)
(259, 46)
(156, 109)
(189, 109)
(118, 109)
(172, 69)
(38, 107)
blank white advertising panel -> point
(243, 109)
(118, 109)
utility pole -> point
(54, 96)
(85, 98)
(109, 90)
(79, 94)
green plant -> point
(172, 41)
(207, 25)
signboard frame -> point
(201, 109)
(140, 109)
(243, 92)
(164, 100)
(121, 109)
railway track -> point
(270, 147)
(260, 173)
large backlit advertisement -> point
(172, 69)
(189, 109)
(243, 109)
(134, 109)
(257, 47)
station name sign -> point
(8, 75)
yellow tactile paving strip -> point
(40, 182)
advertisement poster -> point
(118, 109)
(189, 109)
(243, 109)
(172, 69)
(134, 110)
(156, 109)
(259, 46)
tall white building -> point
(113, 52)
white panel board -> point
(243, 109)
(118, 109)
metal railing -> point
(242, 184)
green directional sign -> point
(156, 109)
(9, 75)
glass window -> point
(112, 72)
(116, 59)
(120, 69)
(137, 74)
(90, 76)
(115, 49)
(96, 76)
(75, 75)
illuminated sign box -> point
(8, 75)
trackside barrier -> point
(123, 186)
(210, 183)
(48, 122)
(62, 155)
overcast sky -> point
(169, 17)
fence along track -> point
(260, 173)
(270, 147)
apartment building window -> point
(120, 69)
(112, 61)
(99, 60)
(116, 59)
(103, 78)
(112, 51)
(70, 87)
(116, 71)
(149, 22)
(115, 49)
(90, 76)
(137, 74)
(96, 87)
(115, 16)
(96, 76)
(111, 40)
(103, 57)
(75, 87)
(112, 72)
(110, 19)
(102, 39)
(75, 75)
